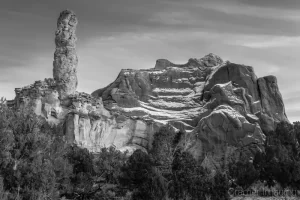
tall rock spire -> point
(65, 56)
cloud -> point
(253, 9)
(279, 4)
(266, 41)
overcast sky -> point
(116, 34)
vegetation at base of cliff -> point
(279, 164)
(36, 163)
(185, 178)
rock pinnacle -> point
(65, 56)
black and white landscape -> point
(149, 100)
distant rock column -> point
(65, 56)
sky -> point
(121, 34)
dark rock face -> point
(230, 125)
(239, 75)
(271, 102)
(65, 56)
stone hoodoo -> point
(65, 56)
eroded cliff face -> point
(94, 127)
(223, 107)
(167, 93)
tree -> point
(243, 172)
(220, 186)
(107, 165)
(140, 176)
(165, 142)
(280, 162)
(297, 133)
(3, 193)
(25, 161)
(82, 177)
(191, 181)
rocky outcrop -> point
(223, 107)
(86, 122)
(231, 124)
(167, 93)
(65, 56)
(209, 60)
(273, 110)
(219, 104)
(41, 97)
(240, 75)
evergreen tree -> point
(26, 163)
(191, 181)
(140, 176)
(280, 162)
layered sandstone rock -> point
(88, 124)
(167, 93)
(65, 57)
(223, 107)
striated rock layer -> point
(223, 107)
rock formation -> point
(87, 123)
(65, 57)
(223, 107)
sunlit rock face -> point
(223, 107)
(65, 56)
(167, 93)
(91, 126)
